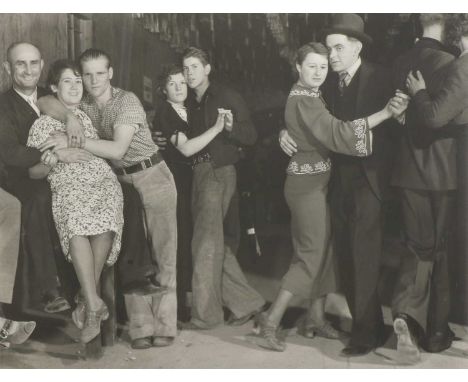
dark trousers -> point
(357, 228)
(422, 290)
(40, 240)
(135, 263)
(183, 179)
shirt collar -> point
(353, 69)
(177, 105)
(32, 97)
(463, 53)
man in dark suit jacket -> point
(360, 185)
(17, 114)
(426, 175)
(355, 89)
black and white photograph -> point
(244, 190)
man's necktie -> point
(33, 105)
(343, 82)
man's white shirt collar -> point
(31, 100)
(353, 69)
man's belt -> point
(147, 163)
(201, 158)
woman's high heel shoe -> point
(92, 324)
(16, 332)
(325, 330)
(266, 333)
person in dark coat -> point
(18, 112)
(425, 173)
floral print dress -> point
(86, 197)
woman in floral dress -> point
(87, 200)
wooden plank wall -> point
(46, 30)
(135, 52)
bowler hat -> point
(348, 24)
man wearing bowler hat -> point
(357, 88)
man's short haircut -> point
(93, 54)
(197, 53)
(15, 44)
(429, 19)
(166, 73)
(58, 67)
(310, 47)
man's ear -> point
(111, 72)
(207, 69)
(358, 47)
(53, 88)
(42, 64)
(7, 67)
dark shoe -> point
(16, 332)
(234, 321)
(356, 350)
(160, 341)
(407, 350)
(141, 343)
(310, 330)
(92, 324)
(145, 287)
(56, 305)
(266, 334)
(439, 341)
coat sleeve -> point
(12, 152)
(243, 129)
(438, 110)
(351, 138)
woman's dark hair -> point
(456, 27)
(310, 47)
(58, 67)
(165, 75)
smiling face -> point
(176, 88)
(24, 67)
(69, 89)
(97, 76)
(196, 74)
(313, 70)
(343, 51)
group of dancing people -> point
(360, 128)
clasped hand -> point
(398, 104)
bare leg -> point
(101, 246)
(316, 312)
(267, 323)
(315, 323)
(83, 262)
(276, 312)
